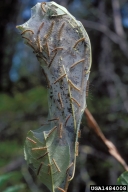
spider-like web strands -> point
(63, 50)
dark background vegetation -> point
(23, 93)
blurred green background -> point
(23, 94)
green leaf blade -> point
(49, 164)
(123, 179)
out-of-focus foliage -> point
(123, 179)
(14, 178)
(23, 97)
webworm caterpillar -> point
(42, 156)
(79, 134)
(40, 27)
(72, 84)
(47, 49)
(69, 167)
(39, 168)
(59, 78)
(66, 183)
(61, 48)
(27, 30)
(60, 99)
(38, 56)
(60, 31)
(44, 124)
(49, 30)
(39, 148)
(51, 131)
(75, 101)
(49, 169)
(60, 189)
(77, 148)
(42, 6)
(27, 39)
(29, 43)
(87, 88)
(67, 119)
(31, 140)
(77, 63)
(52, 59)
(81, 39)
(53, 119)
(88, 71)
(38, 43)
(60, 130)
(56, 165)
(44, 60)
(41, 57)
